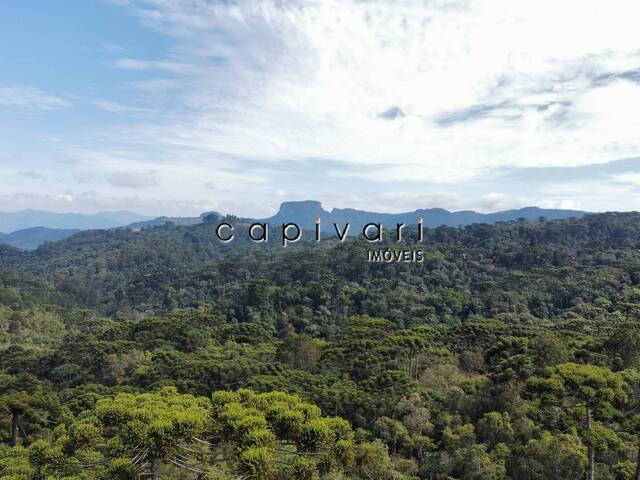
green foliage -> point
(550, 456)
(263, 427)
(509, 353)
(588, 384)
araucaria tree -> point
(586, 387)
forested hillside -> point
(511, 352)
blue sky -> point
(176, 107)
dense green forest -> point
(511, 352)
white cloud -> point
(116, 107)
(481, 84)
(617, 194)
(628, 177)
(134, 179)
(420, 101)
(165, 66)
(30, 98)
(154, 85)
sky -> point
(175, 107)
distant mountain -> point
(124, 217)
(304, 212)
(155, 222)
(14, 221)
(301, 213)
(57, 226)
(32, 238)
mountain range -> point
(28, 229)
(13, 221)
(32, 238)
(303, 214)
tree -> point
(300, 351)
(373, 461)
(151, 428)
(580, 386)
(624, 342)
(550, 456)
(392, 432)
(273, 431)
(632, 385)
(494, 428)
(128, 435)
(27, 412)
(16, 404)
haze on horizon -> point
(172, 107)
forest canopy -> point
(511, 352)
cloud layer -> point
(409, 90)
(335, 99)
